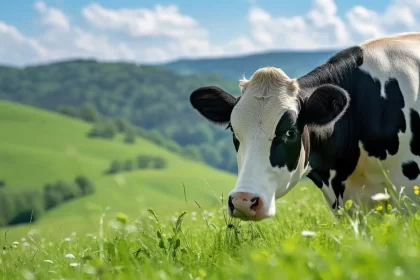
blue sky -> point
(155, 31)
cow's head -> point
(269, 122)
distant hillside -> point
(150, 97)
(294, 63)
(39, 147)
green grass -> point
(84, 240)
(39, 147)
(383, 245)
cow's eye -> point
(291, 133)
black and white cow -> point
(334, 125)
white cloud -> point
(364, 22)
(15, 48)
(161, 21)
(399, 16)
(52, 17)
(164, 32)
(319, 27)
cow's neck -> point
(333, 156)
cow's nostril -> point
(230, 204)
(255, 202)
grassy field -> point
(38, 147)
(178, 238)
(303, 241)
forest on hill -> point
(153, 100)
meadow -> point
(38, 147)
(172, 223)
(303, 241)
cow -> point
(343, 125)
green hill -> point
(149, 97)
(38, 147)
(294, 63)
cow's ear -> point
(325, 106)
(213, 103)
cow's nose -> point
(243, 204)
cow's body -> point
(339, 125)
(383, 86)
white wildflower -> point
(381, 196)
(115, 225)
(308, 233)
(69, 256)
(398, 271)
(67, 239)
(15, 243)
(28, 275)
(26, 244)
(74, 264)
(23, 239)
(130, 228)
(33, 231)
(48, 261)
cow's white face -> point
(269, 123)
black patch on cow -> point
(415, 130)
(286, 145)
(319, 177)
(336, 70)
(235, 140)
(306, 144)
(411, 170)
(380, 118)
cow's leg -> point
(322, 179)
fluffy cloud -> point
(52, 17)
(399, 15)
(164, 21)
(319, 27)
(164, 33)
(15, 48)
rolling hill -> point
(294, 63)
(152, 98)
(39, 147)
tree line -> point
(24, 206)
(141, 162)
